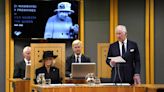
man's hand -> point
(112, 63)
(137, 79)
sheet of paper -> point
(111, 84)
(117, 59)
(55, 85)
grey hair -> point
(26, 48)
(123, 28)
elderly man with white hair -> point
(76, 57)
(128, 72)
(19, 70)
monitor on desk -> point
(80, 70)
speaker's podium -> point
(20, 85)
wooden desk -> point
(87, 88)
(20, 85)
(154, 87)
(75, 81)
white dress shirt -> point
(120, 46)
(79, 59)
(27, 62)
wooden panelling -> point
(149, 41)
(152, 41)
(113, 19)
(20, 85)
(82, 23)
(104, 71)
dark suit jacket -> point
(132, 65)
(53, 74)
(19, 70)
(71, 59)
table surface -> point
(88, 87)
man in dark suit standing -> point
(76, 57)
(19, 70)
(128, 72)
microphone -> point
(117, 74)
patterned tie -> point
(123, 48)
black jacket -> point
(71, 59)
(19, 69)
(53, 74)
(128, 69)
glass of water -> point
(97, 81)
(48, 81)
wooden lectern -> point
(20, 85)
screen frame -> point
(80, 22)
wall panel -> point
(131, 13)
(159, 44)
(96, 25)
(2, 46)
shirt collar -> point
(26, 61)
(77, 55)
(125, 41)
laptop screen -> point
(80, 70)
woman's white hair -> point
(122, 27)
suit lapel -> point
(73, 58)
(23, 65)
(128, 48)
(82, 58)
(118, 53)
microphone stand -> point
(117, 74)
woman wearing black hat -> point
(49, 71)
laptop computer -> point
(80, 70)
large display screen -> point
(48, 19)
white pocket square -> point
(131, 50)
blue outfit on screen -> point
(60, 25)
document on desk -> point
(55, 85)
(118, 84)
(117, 59)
